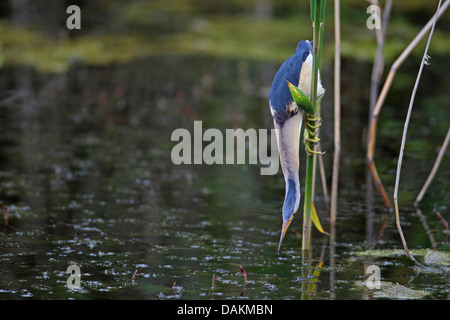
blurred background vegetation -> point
(34, 32)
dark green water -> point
(86, 174)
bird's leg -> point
(312, 124)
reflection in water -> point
(87, 179)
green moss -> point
(389, 290)
(429, 256)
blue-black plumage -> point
(280, 97)
(287, 118)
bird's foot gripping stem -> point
(312, 124)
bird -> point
(288, 119)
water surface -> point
(86, 175)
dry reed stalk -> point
(382, 97)
(445, 224)
(434, 170)
(377, 72)
(427, 229)
(405, 130)
(378, 64)
(337, 114)
(323, 179)
(337, 139)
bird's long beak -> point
(288, 147)
(284, 228)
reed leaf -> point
(316, 221)
(300, 98)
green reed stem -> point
(317, 16)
